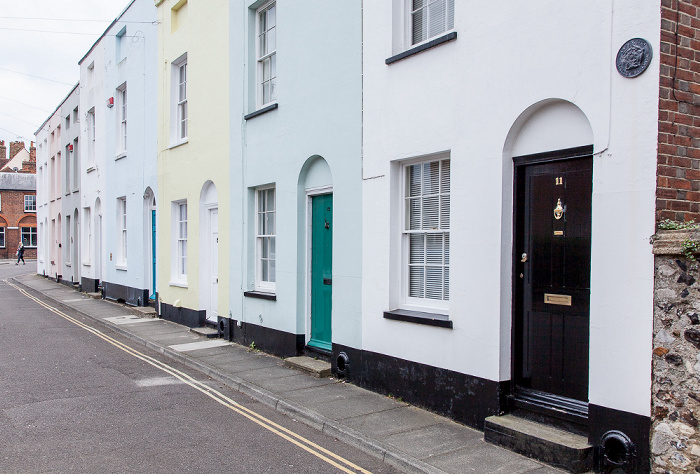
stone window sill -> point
(422, 47)
(418, 317)
(260, 295)
(261, 111)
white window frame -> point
(179, 122)
(423, 303)
(69, 175)
(2, 236)
(31, 202)
(121, 226)
(68, 247)
(179, 243)
(87, 238)
(121, 107)
(76, 162)
(262, 234)
(91, 135)
(121, 45)
(30, 234)
(1, 200)
(410, 14)
(267, 56)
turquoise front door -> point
(321, 270)
(153, 253)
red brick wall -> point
(678, 167)
(12, 215)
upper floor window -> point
(179, 100)
(121, 44)
(29, 203)
(429, 18)
(67, 121)
(91, 135)
(121, 103)
(266, 54)
(265, 240)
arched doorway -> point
(550, 151)
(209, 251)
(316, 196)
(149, 244)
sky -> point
(41, 42)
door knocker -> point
(559, 210)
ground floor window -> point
(2, 237)
(29, 236)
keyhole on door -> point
(327, 225)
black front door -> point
(552, 275)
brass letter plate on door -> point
(562, 300)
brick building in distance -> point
(17, 199)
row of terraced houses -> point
(449, 201)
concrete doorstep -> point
(408, 438)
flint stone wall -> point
(675, 400)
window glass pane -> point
(269, 223)
(271, 40)
(431, 178)
(418, 4)
(273, 90)
(445, 212)
(415, 282)
(446, 291)
(266, 92)
(413, 177)
(414, 214)
(263, 44)
(419, 21)
(433, 249)
(416, 249)
(271, 274)
(265, 271)
(431, 212)
(266, 69)
(272, 16)
(272, 248)
(437, 16)
(450, 14)
(447, 249)
(445, 176)
(433, 283)
(2, 236)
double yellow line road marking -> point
(320, 452)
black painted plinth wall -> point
(462, 397)
(127, 294)
(187, 317)
(89, 285)
(272, 341)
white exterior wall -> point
(70, 201)
(466, 96)
(132, 172)
(49, 193)
(319, 115)
(93, 172)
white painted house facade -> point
(129, 129)
(492, 150)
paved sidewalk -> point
(411, 439)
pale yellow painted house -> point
(193, 160)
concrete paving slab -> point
(428, 441)
(266, 373)
(232, 351)
(194, 346)
(285, 385)
(130, 319)
(359, 405)
(151, 331)
(315, 367)
(484, 459)
(317, 395)
(169, 338)
(384, 424)
(253, 363)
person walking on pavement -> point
(20, 254)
